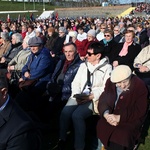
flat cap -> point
(120, 73)
(35, 41)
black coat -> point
(17, 131)
(133, 51)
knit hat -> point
(73, 34)
(38, 30)
(63, 29)
(35, 41)
(120, 73)
(92, 32)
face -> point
(35, 49)
(24, 45)
(30, 30)
(37, 33)
(116, 31)
(128, 37)
(102, 28)
(13, 40)
(69, 52)
(80, 31)
(124, 85)
(90, 38)
(24, 29)
(107, 36)
(61, 34)
(92, 58)
(50, 33)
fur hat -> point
(35, 41)
(120, 73)
(92, 32)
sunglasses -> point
(90, 54)
(106, 35)
(103, 28)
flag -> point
(8, 18)
(19, 18)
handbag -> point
(14, 77)
(27, 84)
(54, 89)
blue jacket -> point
(68, 77)
(39, 65)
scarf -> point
(66, 65)
(124, 50)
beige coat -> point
(4, 48)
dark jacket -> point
(131, 106)
(51, 41)
(118, 37)
(17, 131)
(133, 51)
(12, 52)
(143, 38)
(68, 77)
(109, 48)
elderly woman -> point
(122, 107)
(125, 53)
(108, 43)
(5, 44)
(13, 51)
(20, 59)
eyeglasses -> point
(103, 28)
(90, 54)
(115, 30)
(106, 35)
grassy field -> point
(18, 6)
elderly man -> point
(38, 68)
(17, 131)
(87, 86)
(64, 74)
(122, 106)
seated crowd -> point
(79, 67)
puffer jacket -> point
(68, 77)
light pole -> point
(24, 4)
(43, 5)
(33, 4)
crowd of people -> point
(79, 67)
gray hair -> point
(4, 36)
(18, 37)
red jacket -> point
(131, 106)
(82, 46)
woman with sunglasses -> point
(78, 109)
(108, 43)
(125, 53)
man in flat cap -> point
(39, 67)
(17, 131)
(123, 107)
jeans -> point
(77, 114)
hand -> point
(21, 79)
(3, 59)
(112, 119)
(27, 74)
(115, 63)
(9, 68)
(52, 54)
(143, 69)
